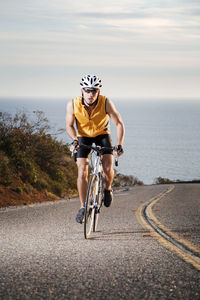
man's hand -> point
(120, 150)
(74, 146)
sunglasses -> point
(93, 91)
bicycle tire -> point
(89, 207)
(98, 202)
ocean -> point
(162, 137)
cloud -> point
(145, 36)
(126, 16)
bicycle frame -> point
(97, 168)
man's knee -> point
(82, 169)
(108, 165)
(108, 169)
(82, 174)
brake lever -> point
(116, 158)
(116, 162)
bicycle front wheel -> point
(90, 206)
(99, 199)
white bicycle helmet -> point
(91, 81)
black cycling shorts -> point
(103, 140)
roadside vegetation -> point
(161, 180)
(121, 180)
(34, 165)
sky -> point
(139, 48)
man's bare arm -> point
(70, 118)
(117, 120)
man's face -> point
(90, 95)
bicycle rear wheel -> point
(90, 206)
(98, 202)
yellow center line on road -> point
(192, 259)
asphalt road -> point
(43, 253)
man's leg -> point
(82, 184)
(108, 172)
(82, 180)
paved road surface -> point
(43, 254)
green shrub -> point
(41, 184)
(19, 190)
(26, 169)
(58, 189)
(5, 172)
(121, 180)
(161, 180)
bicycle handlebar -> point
(100, 150)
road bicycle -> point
(94, 197)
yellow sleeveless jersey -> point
(95, 124)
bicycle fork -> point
(99, 193)
(93, 203)
(96, 206)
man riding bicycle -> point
(91, 114)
